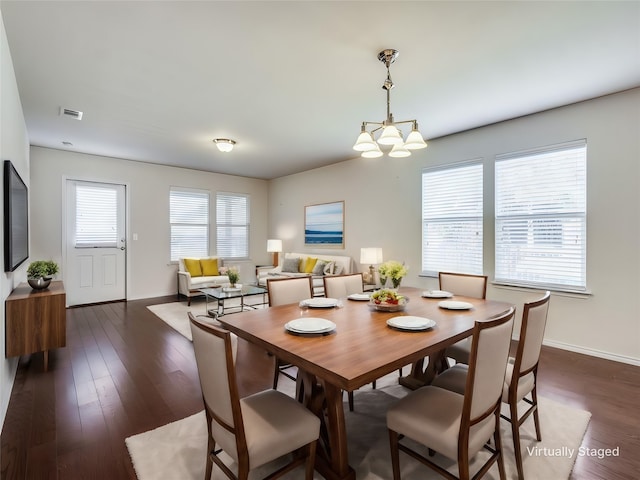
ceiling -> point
(292, 81)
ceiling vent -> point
(70, 113)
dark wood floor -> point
(124, 372)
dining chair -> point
(282, 291)
(466, 285)
(339, 286)
(458, 426)
(253, 430)
(521, 374)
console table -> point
(35, 320)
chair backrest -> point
(338, 286)
(464, 284)
(282, 291)
(534, 321)
(487, 365)
(214, 354)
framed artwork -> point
(324, 225)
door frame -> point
(127, 214)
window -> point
(189, 218)
(96, 216)
(452, 219)
(232, 225)
(541, 217)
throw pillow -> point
(291, 265)
(193, 266)
(309, 264)
(209, 267)
(338, 269)
(318, 270)
(328, 268)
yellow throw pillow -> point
(193, 266)
(308, 265)
(209, 267)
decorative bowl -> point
(39, 283)
(389, 307)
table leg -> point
(420, 376)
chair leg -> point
(311, 461)
(395, 454)
(515, 431)
(373, 384)
(276, 373)
(350, 396)
(536, 418)
(498, 442)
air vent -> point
(70, 113)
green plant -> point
(42, 268)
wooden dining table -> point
(361, 349)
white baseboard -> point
(593, 352)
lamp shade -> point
(274, 246)
(399, 151)
(373, 153)
(371, 255)
(365, 142)
(390, 136)
(415, 141)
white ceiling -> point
(292, 81)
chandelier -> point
(390, 134)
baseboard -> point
(593, 352)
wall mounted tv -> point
(16, 219)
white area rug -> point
(177, 451)
(174, 314)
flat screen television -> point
(16, 219)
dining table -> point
(361, 349)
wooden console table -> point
(35, 320)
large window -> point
(541, 217)
(189, 218)
(232, 225)
(452, 219)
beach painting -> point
(324, 224)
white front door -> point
(95, 242)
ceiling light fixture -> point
(224, 144)
(390, 134)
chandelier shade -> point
(389, 134)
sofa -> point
(196, 273)
(305, 264)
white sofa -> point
(189, 285)
(341, 266)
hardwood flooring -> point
(124, 372)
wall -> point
(149, 271)
(14, 146)
(383, 209)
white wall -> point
(14, 146)
(383, 209)
(149, 271)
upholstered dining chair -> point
(521, 374)
(458, 426)
(338, 286)
(466, 285)
(282, 291)
(253, 430)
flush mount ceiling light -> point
(224, 144)
(390, 134)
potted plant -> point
(40, 272)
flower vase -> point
(395, 283)
(383, 282)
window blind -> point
(232, 225)
(189, 219)
(541, 217)
(96, 217)
(452, 219)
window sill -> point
(562, 293)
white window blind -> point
(541, 217)
(452, 219)
(96, 216)
(232, 225)
(189, 219)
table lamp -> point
(274, 246)
(371, 255)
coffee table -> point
(221, 294)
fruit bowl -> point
(387, 300)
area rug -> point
(178, 450)
(175, 315)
